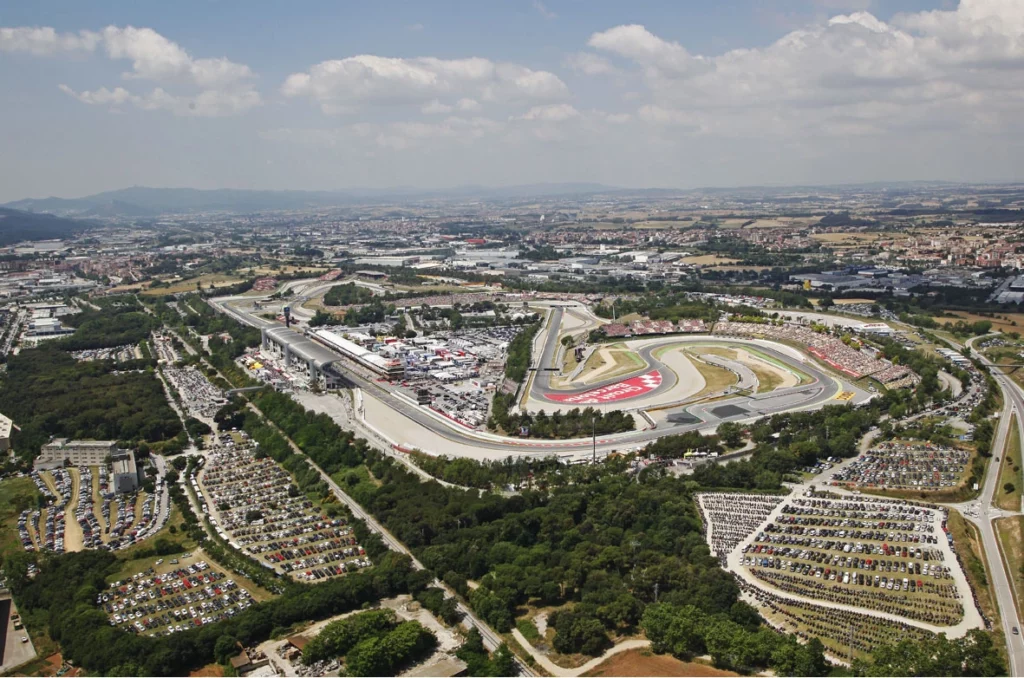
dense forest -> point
(48, 393)
(600, 541)
(17, 226)
(113, 325)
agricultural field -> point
(709, 260)
(190, 284)
(854, 239)
(1001, 322)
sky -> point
(335, 95)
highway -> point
(1013, 402)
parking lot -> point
(878, 554)
(164, 349)
(84, 495)
(172, 596)
(899, 464)
(117, 353)
(199, 397)
(259, 509)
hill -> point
(140, 201)
(16, 226)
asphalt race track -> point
(680, 419)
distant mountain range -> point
(16, 226)
(140, 201)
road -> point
(490, 637)
(1013, 402)
(416, 423)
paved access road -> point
(999, 568)
(459, 440)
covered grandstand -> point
(386, 367)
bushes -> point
(373, 643)
(575, 423)
(338, 637)
(345, 295)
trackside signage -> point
(623, 390)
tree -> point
(1008, 488)
(731, 433)
(225, 648)
(675, 630)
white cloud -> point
(208, 103)
(589, 63)
(853, 72)
(435, 107)
(342, 85)
(636, 43)
(102, 96)
(154, 57)
(225, 87)
(44, 40)
(552, 113)
(543, 10)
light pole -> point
(593, 423)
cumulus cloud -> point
(342, 85)
(225, 87)
(853, 72)
(45, 41)
(638, 44)
(154, 57)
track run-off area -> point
(665, 393)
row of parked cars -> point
(174, 601)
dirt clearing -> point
(645, 663)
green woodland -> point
(48, 393)
(614, 550)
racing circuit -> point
(661, 393)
